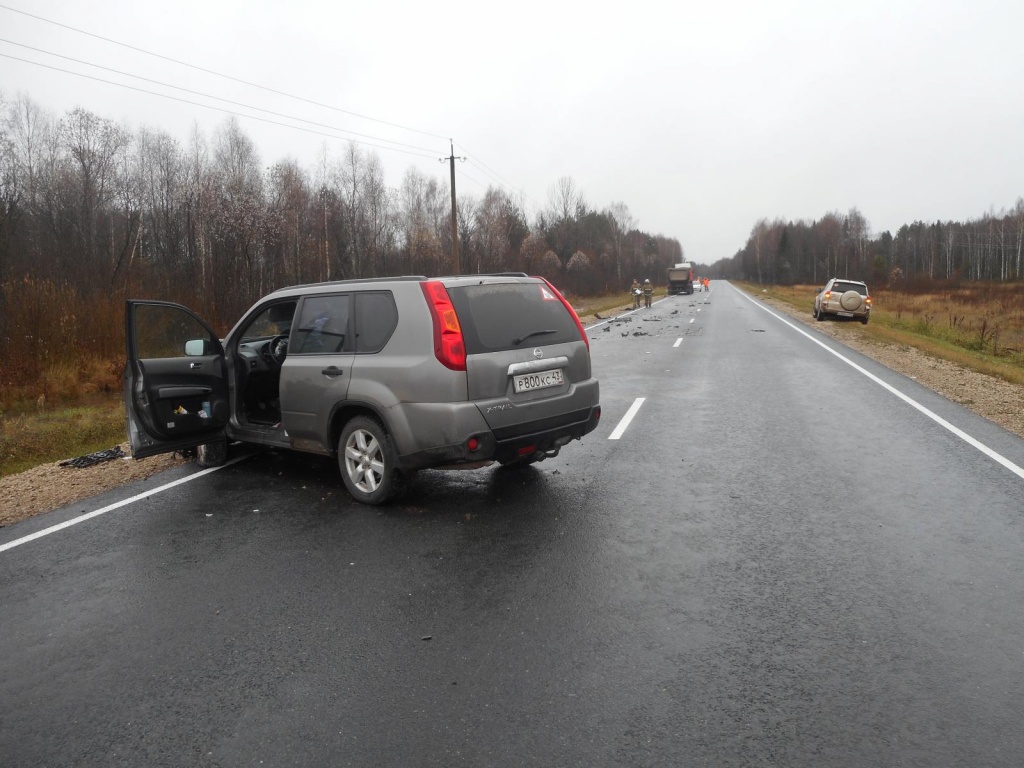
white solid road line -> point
(115, 505)
(905, 398)
(621, 428)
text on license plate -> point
(527, 381)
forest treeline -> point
(841, 245)
(92, 212)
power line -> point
(208, 106)
(484, 167)
(219, 74)
(205, 95)
(478, 163)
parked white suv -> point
(843, 298)
(390, 375)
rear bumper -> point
(545, 435)
(509, 443)
(827, 309)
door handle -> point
(332, 371)
(195, 365)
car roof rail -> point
(353, 280)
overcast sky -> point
(700, 117)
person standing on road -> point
(634, 291)
(707, 284)
(648, 292)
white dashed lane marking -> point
(621, 427)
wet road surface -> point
(776, 561)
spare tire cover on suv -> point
(850, 301)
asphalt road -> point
(777, 561)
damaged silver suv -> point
(389, 375)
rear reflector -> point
(526, 450)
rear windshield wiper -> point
(521, 339)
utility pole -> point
(456, 264)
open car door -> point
(175, 379)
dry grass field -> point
(979, 326)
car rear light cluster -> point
(449, 346)
(867, 300)
(575, 317)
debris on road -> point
(94, 458)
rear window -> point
(841, 287)
(505, 316)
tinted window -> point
(511, 316)
(376, 318)
(323, 325)
(844, 287)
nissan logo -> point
(538, 353)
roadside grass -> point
(979, 327)
(38, 434)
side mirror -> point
(197, 347)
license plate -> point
(526, 382)
(845, 314)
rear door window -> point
(502, 316)
(376, 320)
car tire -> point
(368, 462)
(820, 316)
(864, 320)
(212, 454)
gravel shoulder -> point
(50, 486)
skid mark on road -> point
(973, 442)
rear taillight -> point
(828, 295)
(449, 346)
(575, 317)
(867, 300)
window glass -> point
(323, 325)
(161, 331)
(504, 316)
(271, 321)
(376, 319)
(844, 287)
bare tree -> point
(94, 144)
(622, 223)
(565, 202)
